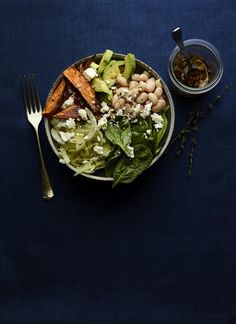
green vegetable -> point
(127, 170)
(105, 60)
(119, 133)
(143, 132)
(100, 86)
(110, 73)
(78, 150)
(112, 161)
(130, 65)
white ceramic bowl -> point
(140, 67)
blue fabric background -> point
(160, 250)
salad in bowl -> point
(109, 117)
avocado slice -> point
(105, 60)
(130, 65)
(100, 86)
(106, 97)
(110, 73)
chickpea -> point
(158, 83)
(134, 93)
(150, 85)
(115, 99)
(136, 77)
(133, 85)
(120, 102)
(128, 108)
(142, 98)
(153, 98)
(158, 92)
(147, 73)
(159, 106)
(143, 77)
(142, 85)
(122, 81)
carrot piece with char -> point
(70, 112)
(52, 103)
(82, 84)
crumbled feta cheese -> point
(102, 123)
(148, 131)
(94, 65)
(62, 161)
(137, 109)
(82, 113)
(86, 137)
(129, 151)
(90, 73)
(120, 112)
(69, 102)
(124, 92)
(98, 149)
(105, 108)
(146, 110)
(70, 123)
(157, 119)
(65, 136)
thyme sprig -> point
(192, 127)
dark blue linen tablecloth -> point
(160, 250)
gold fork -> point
(34, 116)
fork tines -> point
(30, 94)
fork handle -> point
(47, 192)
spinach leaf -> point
(140, 135)
(127, 170)
(112, 160)
(119, 133)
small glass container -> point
(206, 71)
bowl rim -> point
(153, 73)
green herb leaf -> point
(119, 134)
(127, 170)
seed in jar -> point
(143, 77)
(121, 80)
(159, 106)
(136, 77)
(158, 83)
(153, 98)
(142, 98)
(158, 92)
(142, 85)
(133, 85)
(150, 85)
